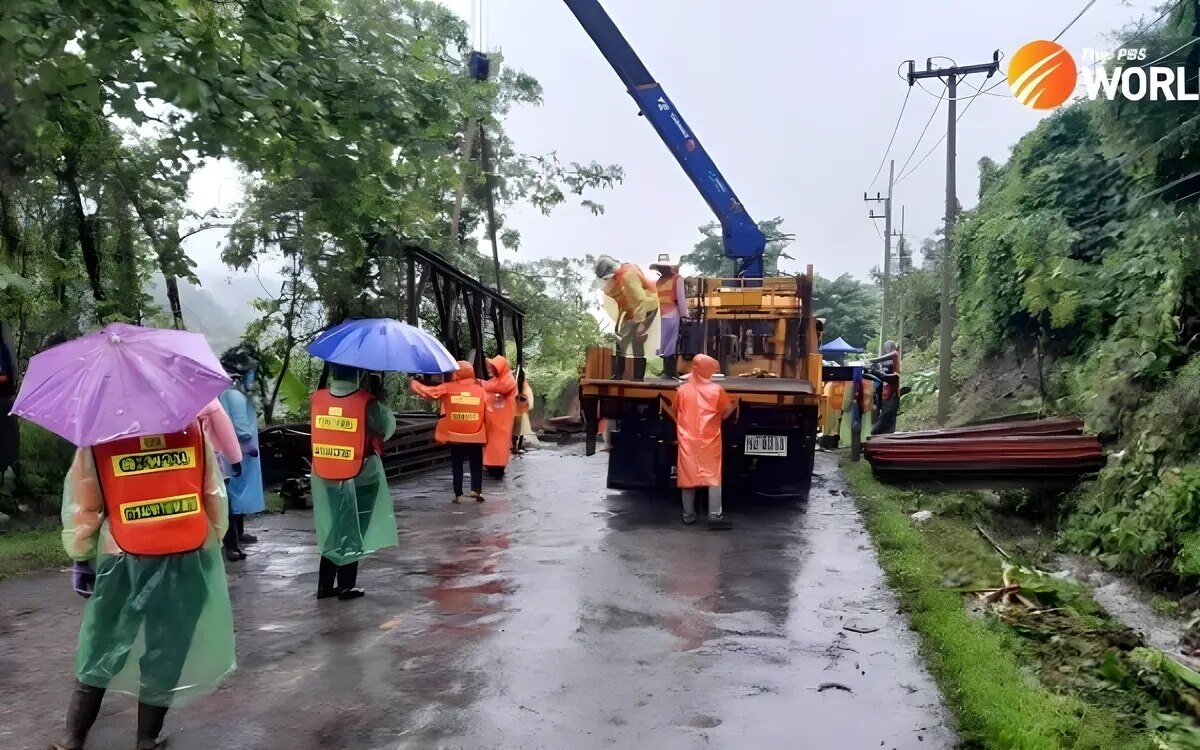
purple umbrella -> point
(124, 381)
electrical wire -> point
(943, 138)
(1086, 8)
(1164, 57)
(891, 140)
(924, 130)
(1157, 191)
(1142, 32)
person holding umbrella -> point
(350, 424)
(246, 486)
(351, 502)
(143, 511)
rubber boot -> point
(150, 723)
(618, 368)
(81, 714)
(243, 537)
(639, 369)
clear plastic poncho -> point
(158, 628)
(355, 517)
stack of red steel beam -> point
(1029, 453)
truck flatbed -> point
(750, 390)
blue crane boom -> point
(743, 240)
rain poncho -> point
(700, 406)
(501, 405)
(442, 394)
(159, 628)
(221, 436)
(245, 491)
(631, 300)
(355, 517)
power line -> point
(925, 129)
(929, 153)
(1142, 31)
(892, 140)
(1164, 57)
(1086, 8)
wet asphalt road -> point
(556, 615)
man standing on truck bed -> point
(637, 306)
(700, 407)
(672, 306)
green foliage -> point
(27, 551)
(850, 308)
(708, 259)
(349, 118)
(983, 667)
(1083, 245)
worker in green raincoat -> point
(157, 623)
(351, 502)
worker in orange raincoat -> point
(700, 407)
(461, 426)
(501, 406)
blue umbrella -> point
(383, 345)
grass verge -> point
(993, 669)
(25, 551)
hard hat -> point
(664, 261)
(606, 266)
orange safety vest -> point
(340, 443)
(153, 489)
(667, 295)
(463, 406)
(618, 287)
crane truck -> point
(760, 329)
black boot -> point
(670, 368)
(150, 723)
(81, 714)
(618, 368)
(639, 368)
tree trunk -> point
(85, 226)
(160, 247)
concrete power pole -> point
(887, 247)
(951, 76)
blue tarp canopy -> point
(839, 346)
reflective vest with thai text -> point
(340, 443)
(153, 489)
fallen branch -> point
(833, 686)
(988, 537)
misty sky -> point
(794, 99)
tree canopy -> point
(348, 120)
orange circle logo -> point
(1042, 74)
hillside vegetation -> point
(1080, 269)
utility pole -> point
(900, 270)
(951, 76)
(887, 247)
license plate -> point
(766, 445)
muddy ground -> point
(556, 615)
